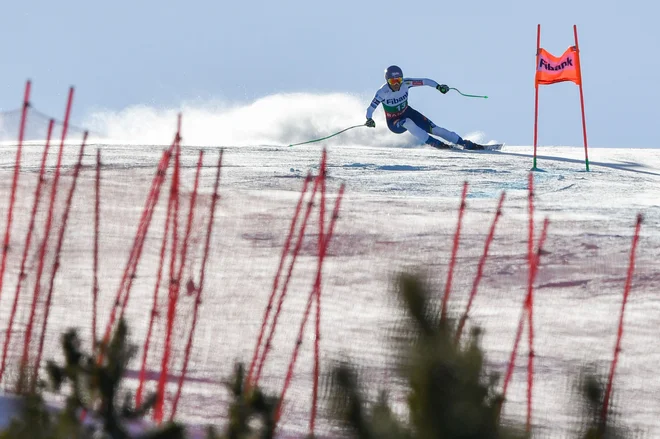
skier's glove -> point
(442, 88)
(370, 123)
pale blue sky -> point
(161, 53)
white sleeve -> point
(374, 104)
(417, 82)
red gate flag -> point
(551, 69)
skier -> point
(401, 117)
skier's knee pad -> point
(415, 130)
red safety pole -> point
(28, 239)
(97, 220)
(536, 92)
(525, 308)
(454, 252)
(12, 197)
(584, 123)
(173, 289)
(480, 270)
(619, 335)
(317, 339)
(530, 312)
(56, 263)
(179, 276)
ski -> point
(493, 147)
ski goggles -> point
(395, 81)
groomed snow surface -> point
(399, 212)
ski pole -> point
(327, 137)
(469, 96)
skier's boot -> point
(437, 143)
(469, 145)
